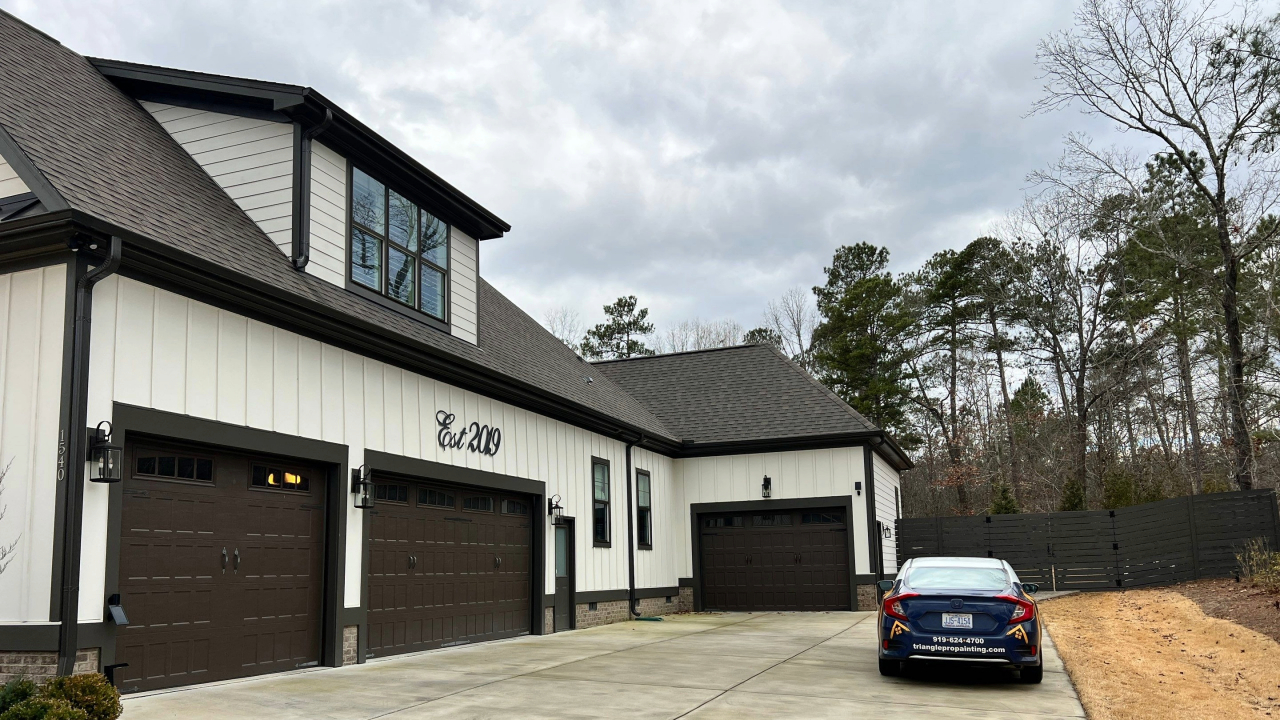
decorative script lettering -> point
(477, 438)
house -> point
(260, 410)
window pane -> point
(167, 466)
(601, 522)
(402, 225)
(432, 291)
(187, 468)
(399, 275)
(435, 240)
(562, 552)
(366, 259)
(601, 475)
(368, 202)
(146, 466)
(643, 527)
(642, 490)
(204, 469)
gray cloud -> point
(703, 156)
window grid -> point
(644, 511)
(600, 506)
(398, 250)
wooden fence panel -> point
(1157, 543)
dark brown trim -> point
(881, 442)
(684, 582)
(645, 593)
(413, 468)
(873, 532)
(745, 506)
(608, 514)
(30, 175)
(597, 596)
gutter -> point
(76, 386)
(631, 533)
(301, 251)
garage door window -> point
(393, 493)
(478, 504)
(277, 479)
(435, 498)
(824, 518)
(723, 522)
(600, 508)
(514, 507)
(177, 467)
(771, 520)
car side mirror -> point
(1030, 588)
(885, 585)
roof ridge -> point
(674, 354)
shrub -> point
(1259, 564)
(15, 691)
(90, 693)
(43, 708)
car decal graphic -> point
(898, 629)
(1018, 632)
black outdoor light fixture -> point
(362, 487)
(555, 510)
(107, 459)
(115, 611)
(857, 487)
(766, 487)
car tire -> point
(1030, 674)
(890, 668)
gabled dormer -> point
(338, 200)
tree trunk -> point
(1193, 423)
(1014, 475)
(1237, 396)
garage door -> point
(220, 566)
(782, 560)
(446, 566)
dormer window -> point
(398, 250)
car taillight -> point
(1022, 611)
(893, 605)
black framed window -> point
(644, 511)
(435, 498)
(822, 518)
(391, 493)
(274, 478)
(478, 503)
(515, 507)
(173, 466)
(600, 505)
(398, 249)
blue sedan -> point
(972, 610)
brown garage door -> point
(780, 560)
(446, 566)
(220, 566)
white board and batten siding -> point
(464, 261)
(794, 474)
(32, 320)
(10, 183)
(662, 566)
(156, 349)
(888, 497)
(251, 159)
(328, 257)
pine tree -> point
(1004, 502)
(619, 336)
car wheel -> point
(890, 668)
(1029, 674)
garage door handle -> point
(236, 567)
(413, 562)
(497, 562)
(224, 559)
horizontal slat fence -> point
(1158, 543)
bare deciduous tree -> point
(697, 334)
(1200, 82)
(794, 316)
(6, 551)
(566, 324)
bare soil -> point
(1154, 654)
(1241, 603)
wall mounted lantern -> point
(857, 487)
(766, 487)
(888, 531)
(106, 458)
(362, 487)
(555, 510)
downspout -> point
(631, 535)
(301, 250)
(873, 533)
(77, 436)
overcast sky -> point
(702, 156)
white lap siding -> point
(155, 349)
(251, 159)
(464, 258)
(793, 474)
(10, 183)
(32, 322)
(328, 215)
(887, 499)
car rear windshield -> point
(957, 578)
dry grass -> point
(1154, 654)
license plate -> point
(959, 621)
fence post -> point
(1195, 542)
(937, 527)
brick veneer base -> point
(41, 666)
(867, 597)
(548, 620)
(350, 644)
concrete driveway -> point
(732, 665)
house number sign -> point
(483, 439)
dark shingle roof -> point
(747, 392)
(107, 157)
